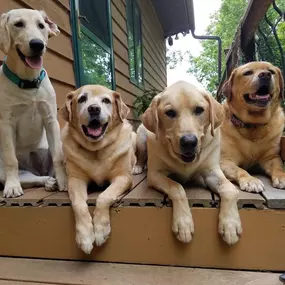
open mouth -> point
(188, 157)
(35, 61)
(261, 98)
(94, 130)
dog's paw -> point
(183, 227)
(251, 184)
(51, 184)
(278, 181)
(138, 169)
(85, 238)
(12, 190)
(102, 228)
(230, 229)
(62, 182)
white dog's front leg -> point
(229, 220)
(53, 136)
(10, 163)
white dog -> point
(28, 111)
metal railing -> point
(260, 36)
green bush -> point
(142, 102)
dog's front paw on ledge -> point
(278, 180)
(12, 190)
(251, 184)
(230, 229)
(183, 227)
(102, 228)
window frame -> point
(77, 28)
(131, 5)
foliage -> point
(142, 102)
(223, 24)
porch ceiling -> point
(175, 16)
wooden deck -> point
(17, 271)
(142, 196)
(40, 224)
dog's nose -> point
(188, 143)
(36, 45)
(94, 110)
(264, 75)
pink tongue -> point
(34, 62)
(94, 132)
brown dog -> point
(183, 139)
(98, 145)
(253, 125)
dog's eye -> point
(271, 71)
(82, 99)
(106, 101)
(41, 26)
(170, 113)
(19, 24)
(249, 72)
(198, 110)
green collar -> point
(23, 84)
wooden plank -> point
(121, 7)
(246, 200)
(55, 12)
(59, 68)
(275, 198)
(120, 33)
(197, 196)
(120, 49)
(122, 65)
(250, 200)
(147, 235)
(62, 198)
(61, 90)
(251, 19)
(124, 82)
(75, 272)
(65, 3)
(161, 66)
(144, 196)
(33, 197)
(13, 282)
(61, 44)
(117, 16)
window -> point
(92, 42)
(135, 42)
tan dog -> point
(28, 111)
(183, 139)
(253, 125)
(98, 145)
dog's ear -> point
(5, 40)
(122, 109)
(150, 116)
(281, 83)
(53, 29)
(216, 113)
(65, 111)
(227, 87)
